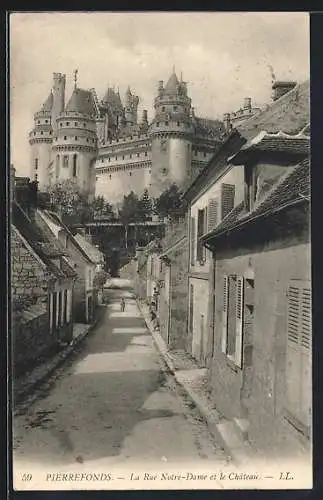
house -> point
(211, 196)
(97, 257)
(260, 371)
(84, 265)
(42, 283)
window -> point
(298, 355)
(123, 157)
(178, 124)
(110, 176)
(232, 318)
(41, 132)
(60, 305)
(76, 138)
(146, 153)
(116, 157)
(137, 155)
(227, 199)
(65, 137)
(163, 108)
(74, 165)
(130, 174)
(36, 163)
(65, 161)
(175, 108)
(76, 124)
(204, 154)
(46, 121)
(192, 240)
(60, 124)
(38, 121)
(84, 124)
(151, 265)
(201, 228)
(67, 124)
(130, 156)
(57, 166)
(166, 123)
(109, 159)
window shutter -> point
(192, 240)
(227, 199)
(200, 222)
(225, 313)
(204, 231)
(298, 356)
(212, 219)
(239, 320)
(191, 311)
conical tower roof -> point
(48, 104)
(81, 101)
(171, 85)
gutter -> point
(251, 220)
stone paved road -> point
(113, 404)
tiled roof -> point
(292, 187)
(290, 114)
(278, 143)
(68, 269)
(56, 219)
(34, 236)
(214, 128)
(81, 101)
(33, 312)
(94, 254)
(171, 85)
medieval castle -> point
(103, 145)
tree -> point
(67, 197)
(129, 211)
(101, 208)
(170, 203)
(145, 206)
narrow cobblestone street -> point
(113, 403)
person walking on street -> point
(122, 305)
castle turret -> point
(131, 108)
(59, 81)
(40, 140)
(171, 133)
(75, 141)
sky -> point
(224, 57)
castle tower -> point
(59, 81)
(40, 140)
(171, 133)
(75, 141)
(131, 108)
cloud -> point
(223, 56)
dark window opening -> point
(76, 124)
(67, 124)
(166, 123)
(36, 163)
(76, 138)
(65, 137)
(74, 165)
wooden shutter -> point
(227, 199)
(193, 240)
(204, 231)
(298, 356)
(212, 219)
(191, 311)
(51, 314)
(225, 313)
(239, 320)
(200, 222)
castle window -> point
(175, 108)
(60, 124)
(57, 166)
(146, 153)
(166, 123)
(84, 124)
(67, 124)
(38, 121)
(163, 108)
(76, 124)
(137, 155)
(130, 174)
(74, 165)
(46, 121)
(110, 176)
(76, 138)
(65, 137)
(41, 133)
(65, 161)
(178, 124)
(36, 163)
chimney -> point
(227, 122)
(281, 88)
(247, 103)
